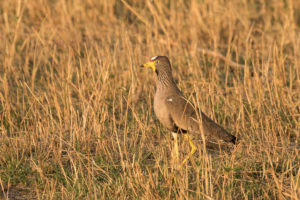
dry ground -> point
(76, 116)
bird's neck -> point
(166, 82)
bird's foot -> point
(175, 152)
(193, 150)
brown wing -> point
(186, 117)
(182, 112)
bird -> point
(178, 114)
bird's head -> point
(159, 64)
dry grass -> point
(76, 116)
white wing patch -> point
(170, 99)
(153, 58)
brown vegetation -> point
(76, 116)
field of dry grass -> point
(76, 115)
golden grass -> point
(76, 117)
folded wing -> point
(187, 117)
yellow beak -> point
(149, 64)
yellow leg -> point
(192, 150)
(175, 146)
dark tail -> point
(234, 139)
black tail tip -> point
(234, 140)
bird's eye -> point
(157, 61)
